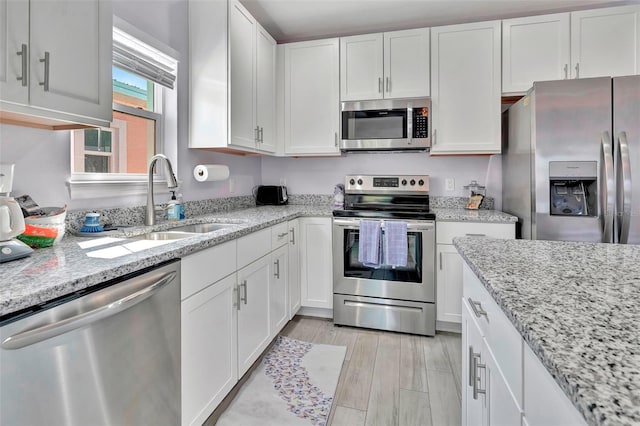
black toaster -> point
(271, 195)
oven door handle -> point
(427, 225)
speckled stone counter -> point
(576, 306)
(463, 215)
(65, 268)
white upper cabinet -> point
(406, 63)
(465, 86)
(385, 65)
(14, 51)
(361, 67)
(232, 81)
(311, 97)
(266, 90)
(605, 42)
(534, 48)
(65, 59)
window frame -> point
(102, 185)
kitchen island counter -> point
(576, 306)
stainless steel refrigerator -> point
(571, 160)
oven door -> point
(415, 282)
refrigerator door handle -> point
(607, 188)
(624, 193)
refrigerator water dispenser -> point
(573, 188)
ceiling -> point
(296, 20)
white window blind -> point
(133, 55)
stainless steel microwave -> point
(386, 124)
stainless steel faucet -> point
(150, 214)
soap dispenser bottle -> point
(172, 208)
(180, 207)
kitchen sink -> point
(202, 228)
(164, 235)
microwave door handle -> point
(624, 206)
(607, 188)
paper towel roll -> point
(209, 172)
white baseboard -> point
(316, 312)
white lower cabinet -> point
(293, 264)
(449, 265)
(503, 381)
(278, 300)
(316, 262)
(253, 312)
(209, 349)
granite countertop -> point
(576, 306)
(463, 215)
(61, 270)
(65, 268)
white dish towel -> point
(395, 243)
(369, 243)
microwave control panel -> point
(421, 123)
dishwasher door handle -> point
(38, 334)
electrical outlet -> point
(232, 185)
(449, 184)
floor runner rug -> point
(294, 385)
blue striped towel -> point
(369, 249)
(395, 243)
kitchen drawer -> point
(205, 267)
(279, 235)
(446, 231)
(253, 246)
(501, 336)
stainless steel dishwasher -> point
(109, 357)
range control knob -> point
(359, 181)
(404, 182)
(420, 182)
(352, 182)
(413, 182)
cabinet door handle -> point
(477, 379)
(335, 138)
(256, 134)
(433, 137)
(25, 63)
(440, 255)
(475, 235)
(283, 234)
(236, 303)
(472, 375)
(566, 71)
(388, 84)
(578, 70)
(379, 84)
(45, 83)
(477, 308)
(244, 284)
(277, 265)
(293, 236)
(261, 133)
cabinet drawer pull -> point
(283, 234)
(277, 265)
(293, 236)
(244, 284)
(477, 308)
(25, 64)
(440, 261)
(45, 83)
(475, 235)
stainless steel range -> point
(386, 297)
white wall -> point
(319, 175)
(42, 157)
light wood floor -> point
(389, 378)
